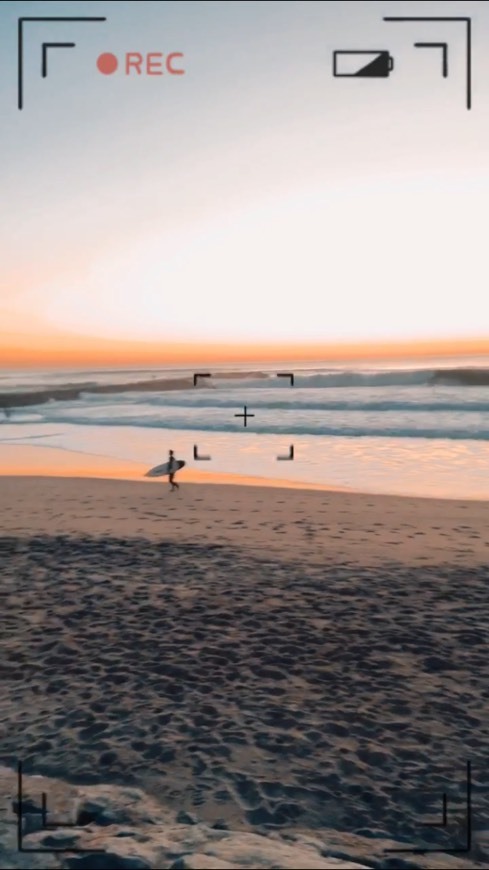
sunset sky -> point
(254, 201)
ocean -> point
(402, 429)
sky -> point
(253, 200)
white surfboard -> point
(161, 470)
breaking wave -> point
(458, 377)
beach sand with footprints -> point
(308, 668)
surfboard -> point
(161, 470)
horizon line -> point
(71, 350)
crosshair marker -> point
(245, 415)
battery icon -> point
(368, 64)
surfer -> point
(172, 465)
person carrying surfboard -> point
(173, 468)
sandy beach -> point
(276, 662)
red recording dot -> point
(107, 63)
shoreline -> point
(23, 460)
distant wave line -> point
(468, 377)
(449, 433)
(70, 391)
(300, 404)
